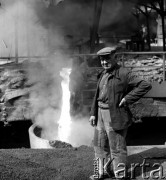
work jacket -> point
(121, 84)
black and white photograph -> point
(82, 89)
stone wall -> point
(150, 68)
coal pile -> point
(14, 92)
(15, 88)
(60, 144)
(10, 81)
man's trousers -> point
(109, 143)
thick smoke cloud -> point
(116, 17)
(45, 31)
(42, 39)
(81, 131)
(18, 18)
(46, 96)
(72, 17)
(75, 17)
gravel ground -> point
(50, 164)
(66, 163)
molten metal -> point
(64, 122)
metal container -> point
(36, 142)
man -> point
(117, 88)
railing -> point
(120, 53)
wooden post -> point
(95, 27)
(16, 34)
(16, 40)
(123, 65)
(27, 38)
(163, 23)
(148, 28)
(27, 29)
(164, 67)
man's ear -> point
(113, 55)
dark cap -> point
(106, 51)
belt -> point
(103, 105)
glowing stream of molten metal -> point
(65, 119)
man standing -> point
(117, 88)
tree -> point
(160, 7)
(145, 11)
(96, 21)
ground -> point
(53, 164)
(73, 163)
(68, 163)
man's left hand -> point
(123, 102)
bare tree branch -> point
(155, 7)
(144, 13)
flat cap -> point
(106, 50)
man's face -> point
(107, 61)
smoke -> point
(20, 25)
(81, 132)
(71, 17)
(47, 119)
(110, 13)
(75, 17)
(44, 31)
(46, 98)
(46, 94)
(116, 17)
(46, 103)
(19, 19)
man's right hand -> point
(92, 121)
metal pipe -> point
(90, 54)
(83, 55)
